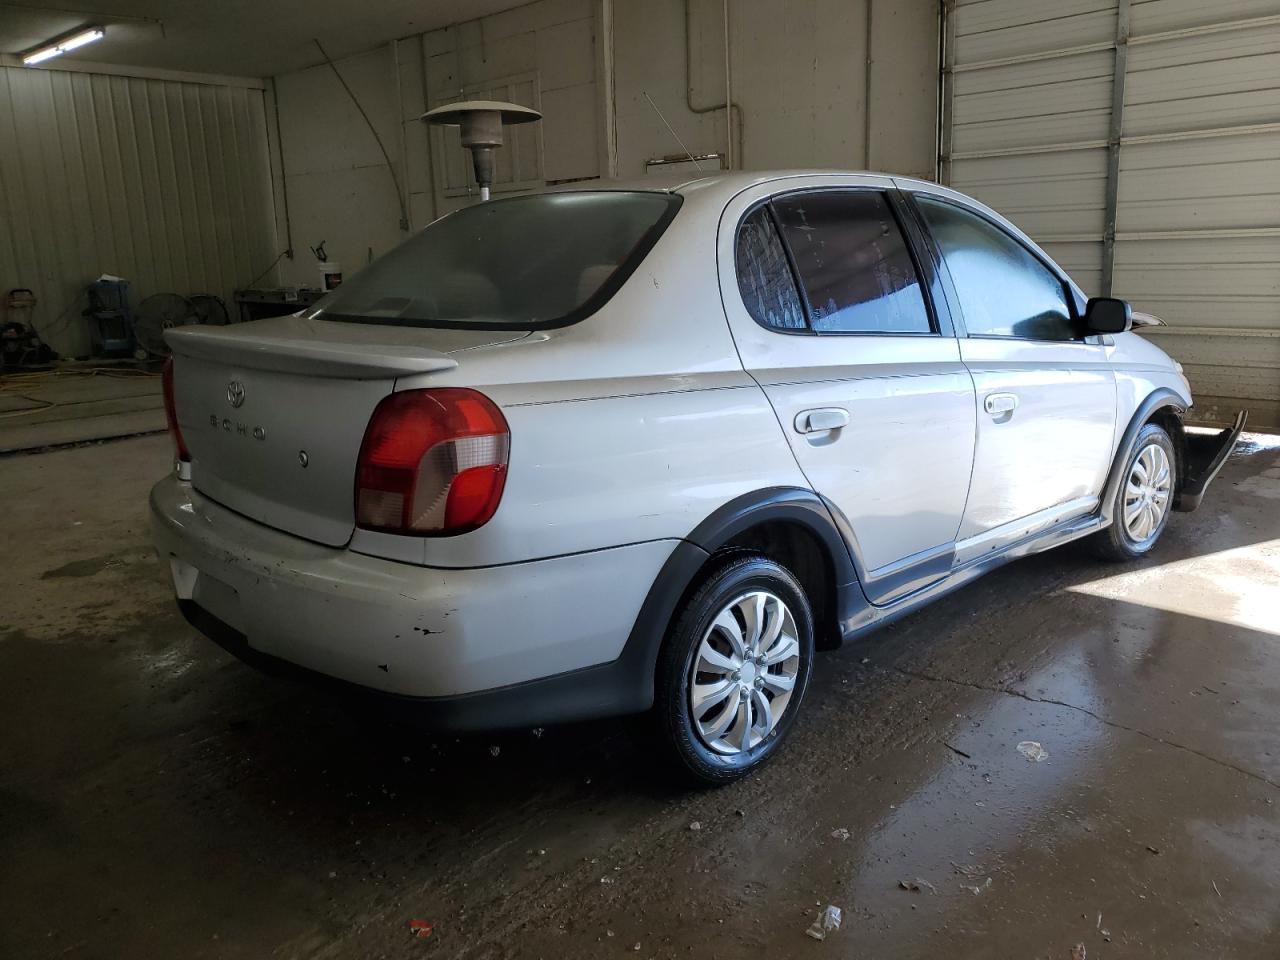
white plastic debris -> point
(1033, 751)
(840, 833)
(695, 826)
(975, 890)
(828, 921)
(917, 885)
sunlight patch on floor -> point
(1240, 586)
(1250, 443)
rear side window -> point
(1003, 288)
(764, 276)
(853, 261)
(523, 263)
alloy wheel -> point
(744, 672)
(1147, 492)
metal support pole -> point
(1113, 147)
(728, 90)
(946, 88)
(867, 69)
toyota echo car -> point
(625, 447)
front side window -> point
(1003, 288)
(522, 263)
(853, 261)
(764, 276)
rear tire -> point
(1142, 504)
(734, 669)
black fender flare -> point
(773, 504)
(795, 505)
(1157, 400)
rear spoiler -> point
(1204, 454)
(251, 346)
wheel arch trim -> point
(1160, 399)
(794, 505)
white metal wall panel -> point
(1044, 193)
(1219, 79)
(1198, 213)
(1211, 282)
(993, 29)
(164, 183)
(1029, 104)
(1213, 183)
(1195, 175)
(1149, 17)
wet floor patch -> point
(91, 566)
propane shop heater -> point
(481, 123)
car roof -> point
(726, 181)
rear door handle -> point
(999, 403)
(821, 419)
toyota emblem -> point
(235, 393)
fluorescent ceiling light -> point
(40, 56)
(80, 39)
(58, 47)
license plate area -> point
(207, 592)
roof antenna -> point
(689, 153)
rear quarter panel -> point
(632, 425)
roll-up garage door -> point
(1139, 142)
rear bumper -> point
(1204, 455)
(511, 645)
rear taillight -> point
(171, 413)
(433, 463)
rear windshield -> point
(531, 262)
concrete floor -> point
(78, 402)
(159, 799)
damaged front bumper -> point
(1203, 455)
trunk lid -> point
(273, 412)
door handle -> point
(821, 419)
(1000, 403)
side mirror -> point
(1107, 315)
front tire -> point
(1144, 501)
(734, 669)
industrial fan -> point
(210, 309)
(158, 313)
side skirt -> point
(869, 617)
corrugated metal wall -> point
(1139, 141)
(166, 184)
